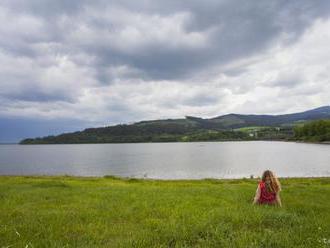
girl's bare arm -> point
(278, 199)
(257, 196)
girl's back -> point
(268, 189)
(266, 196)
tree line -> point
(315, 131)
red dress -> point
(265, 196)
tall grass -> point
(113, 212)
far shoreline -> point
(200, 141)
(147, 179)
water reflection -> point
(168, 160)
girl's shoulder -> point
(261, 183)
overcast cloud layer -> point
(66, 65)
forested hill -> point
(225, 127)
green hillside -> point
(226, 127)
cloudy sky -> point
(68, 65)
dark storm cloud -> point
(288, 80)
(239, 29)
(46, 8)
(112, 61)
(201, 100)
(13, 129)
(35, 95)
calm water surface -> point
(168, 160)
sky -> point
(69, 65)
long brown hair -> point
(275, 185)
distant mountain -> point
(189, 128)
(236, 120)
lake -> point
(168, 160)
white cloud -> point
(20, 27)
(285, 78)
(132, 32)
(65, 78)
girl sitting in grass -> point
(268, 191)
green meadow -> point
(65, 211)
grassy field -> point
(249, 129)
(110, 212)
